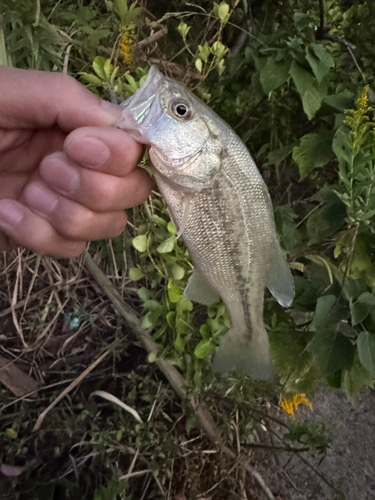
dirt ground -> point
(349, 464)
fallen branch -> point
(204, 417)
(151, 39)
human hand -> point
(66, 176)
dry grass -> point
(82, 443)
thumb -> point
(37, 99)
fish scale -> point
(219, 201)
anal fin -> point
(279, 279)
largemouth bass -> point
(221, 206)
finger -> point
(70, 219)
(34, 232)
(109, 150)
(32, 99)
(95, 190)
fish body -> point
(220, 204)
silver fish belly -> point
(217, 197)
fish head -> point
(183, 140)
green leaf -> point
(342, 101)
(144, 294)
(179, 344)
(107, 69)
(151, 304)
(204, 348)
(135, 274)
(171, 319)
(171, 228)
(183, 304)
(340, 146)
(319, 59)
(274, 74)
(218, 49)
(204, 51)
(358, 312)
(333, 351)
(205, 331)
(89, 78)
(367, 298)
(312, 152)
(183, 29)
(159, 220)
(152, 357)
(121, 8)
(355, 379)
(323, 307)
(98, 65)
(167, 245)
(301, 20)
(174, 293)
(289, 356)
(312, 93)
(178, 272)
(199, 65)
(221, 11)
(366, 351)
(140, 243)
(146, 322)
(276, 156)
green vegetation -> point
(294, 80)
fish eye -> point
(181, 109)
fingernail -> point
(10, 213)
(89, 152)
(58, 174)
(40, 198)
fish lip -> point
(137, 107)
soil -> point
(349, 464)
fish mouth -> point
(142, 109)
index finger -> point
(38, 99)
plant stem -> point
(3, 51)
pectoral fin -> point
(199, 290)
(279, 278)
(185, 213)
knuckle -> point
(119, 224)
(106, 194)
(64, 82)
(69, 250)
(76, 222)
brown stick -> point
(151, 39)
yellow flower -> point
(290, 404)
(126, 49)
(362, 101)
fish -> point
(222, 209)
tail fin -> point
(238, 351)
